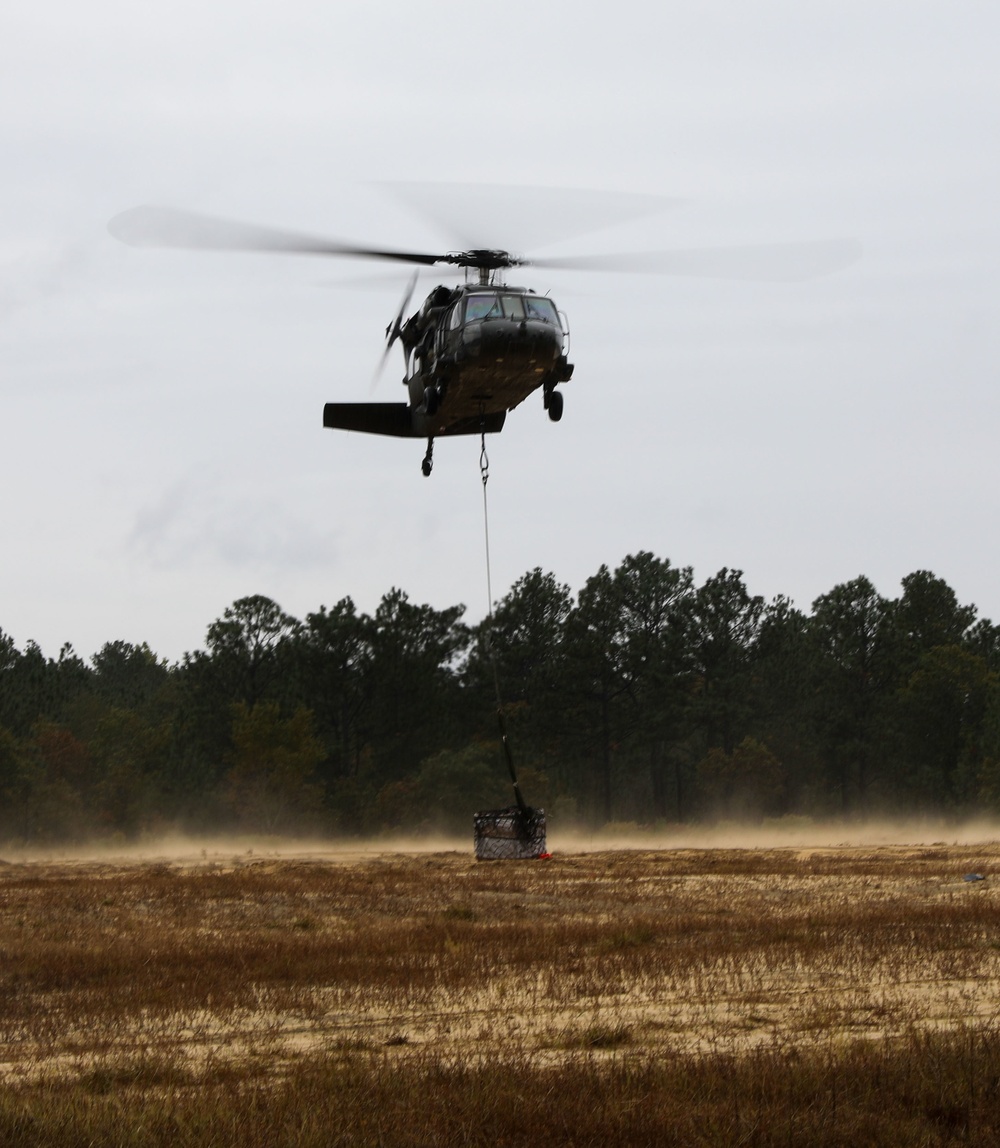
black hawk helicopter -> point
(475, 351)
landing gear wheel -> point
(555, 406)
(428, 464)
(431, 400)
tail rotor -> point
(395, 329)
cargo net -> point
(511, 834)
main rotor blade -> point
(517, 218)
(168, 227)
(770, 262)
(386, 280)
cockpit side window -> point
(539, 307)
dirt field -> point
(202, 969)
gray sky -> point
(163, 452)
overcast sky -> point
(163, 451)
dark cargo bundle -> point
(513, 834)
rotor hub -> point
(485, 259)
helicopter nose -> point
(512, 339)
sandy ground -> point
(746, 939)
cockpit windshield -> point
(489, 306)
(482, 307)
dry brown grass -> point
(819, 996)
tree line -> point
(643, 698)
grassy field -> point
(796, 995)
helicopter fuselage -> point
(481, 350)
(472, 353)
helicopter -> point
(475, 351)
(472, 353)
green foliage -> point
(410, 675)
(128, 676)
(33, 686)
(524, 638)
(331, 651)
(648, 699)
(55, 778)
(130, 759)
(747, 783)
(855, 675)
(271, 785)
(12, 778)
(245, 647)
(928, 615)
(448, 788)
(943, 706)
(726, 624)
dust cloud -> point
(181, 849)
(791, 833)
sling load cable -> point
(484, 470)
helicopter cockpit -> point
(505, 305)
